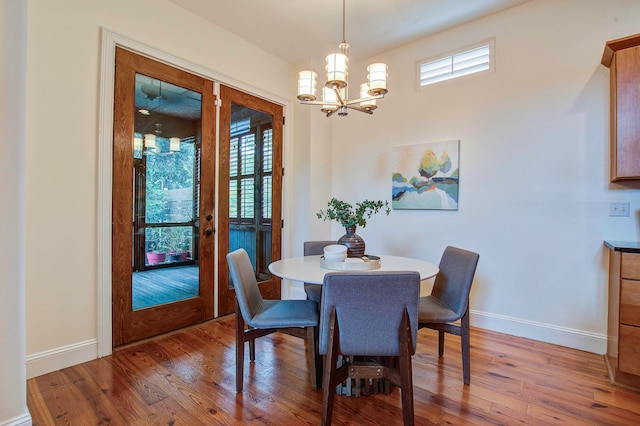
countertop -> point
(624, 246)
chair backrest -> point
(369, 307)
(453, 282)
(316, 247)
(244, 283)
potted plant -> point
(349, 217)
(175, 238)
(157, 245)
(185, 249)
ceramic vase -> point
(353, 242)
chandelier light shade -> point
(377, 79)
(334, 92)
(368, 103)
(307, 85)
(329, 100)
(337, 70)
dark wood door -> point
(250, 205)
(163, 198)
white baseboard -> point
(563, 336)
(549, 333)
(66, 356)
(21, 420)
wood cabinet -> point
(623, 336)
(622, 56)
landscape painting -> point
(426, 176)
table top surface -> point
(624, 246)
(307, 268)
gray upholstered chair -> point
(314, 291)
(370, 314)
(449, 301)
(262, 317)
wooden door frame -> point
(270, 289)
(102, 345)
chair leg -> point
(440, 343)
(239, 349)
(466, 348)
(330, 366)
(319, 359)
(406, 373)
(252, 350)
(312, 351)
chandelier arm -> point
(318, 103)
(366, 111)
(368, 98)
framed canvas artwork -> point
(426, 176)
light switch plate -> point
(619, 209)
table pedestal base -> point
(364, 387)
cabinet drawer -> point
(629, 350)
(630, 266)
(630, 302)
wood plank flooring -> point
(188, 378)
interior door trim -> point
(109, 41)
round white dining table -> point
(307, 268)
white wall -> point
(534, 154)
(62, 148)
(534, 187)
(13, 49)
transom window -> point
(459, 63)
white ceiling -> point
(296, 30)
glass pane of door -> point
(250, 186)
(166, 170)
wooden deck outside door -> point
(250, 204)
(160, 114)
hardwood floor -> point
(188, 378)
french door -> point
(163, 198)
(250, 201)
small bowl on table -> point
(335, 253)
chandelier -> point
(334, 93)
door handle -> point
(208, 231)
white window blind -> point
(248, 154)
(267, 169)
(233, 198)
(456, 64)
(247, 210)
(233, 158)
